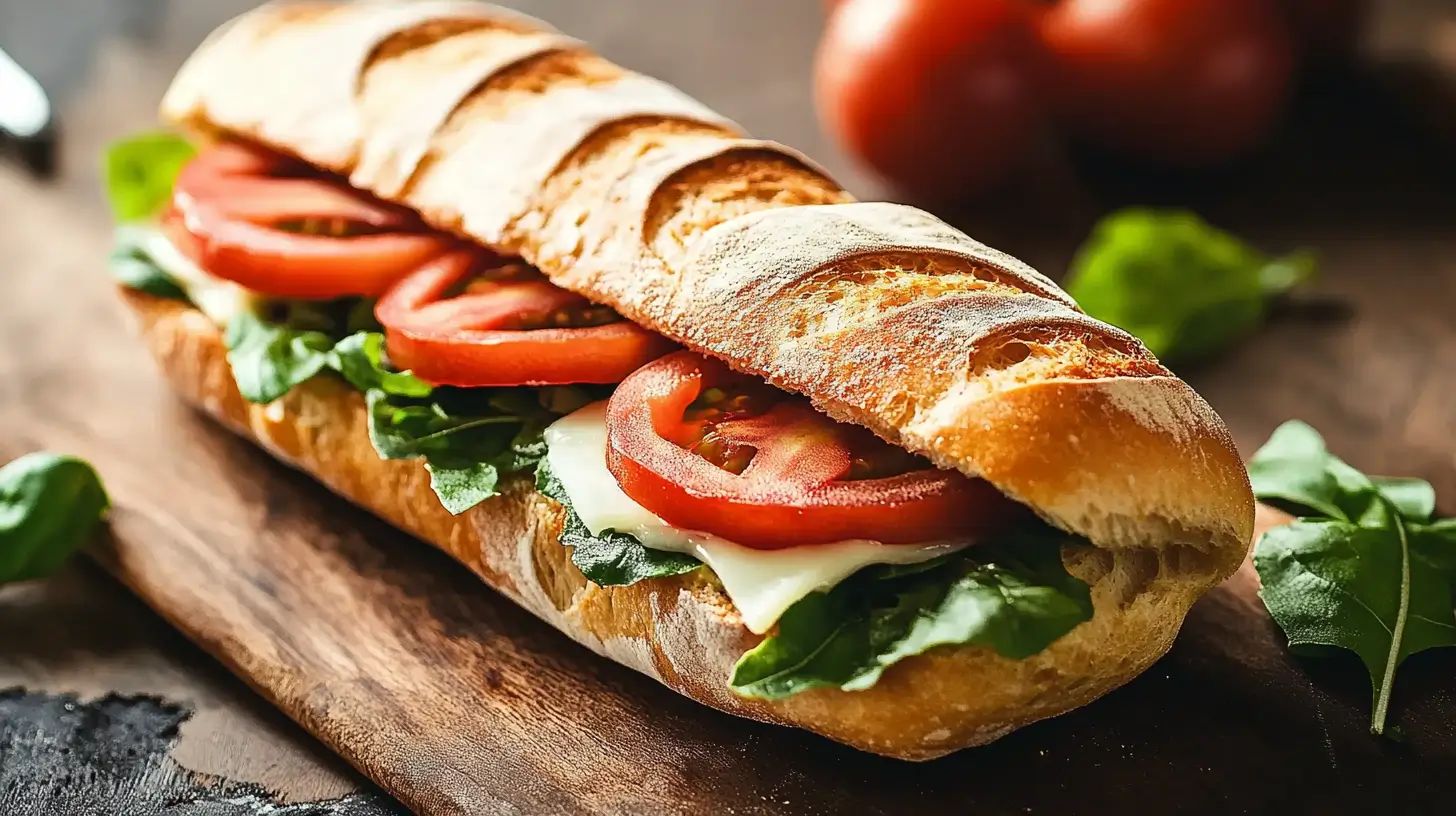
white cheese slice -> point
(761, 583)
(220, 300)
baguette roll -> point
(618, 187)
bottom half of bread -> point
(683, 631)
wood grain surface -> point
(458, 702)
(82, 634)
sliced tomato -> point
(507, 325)
(274, 226)
(706, 449)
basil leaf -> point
(134, 268)
(49, 505)
(268, 360)
(140, 172)
(1184, 287)
(1329, 582)
(360, 358)
(611, 558)
(462, 486)
(1015, 597)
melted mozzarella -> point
(220, 300)
(761, 583)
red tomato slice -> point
(797, 482)
(271, 225)
(511, 330)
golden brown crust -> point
(682, 630)
(623, 189)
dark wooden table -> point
(1366, 173)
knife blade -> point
(27, 121)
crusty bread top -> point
(625, 190)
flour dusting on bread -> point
(637, 197)
(1157, 404)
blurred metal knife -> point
(27, 120)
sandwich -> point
(817, 462)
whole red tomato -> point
(1182, 82)
(939, 96)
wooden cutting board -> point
(457, 702)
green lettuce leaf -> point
(1185, 288)
(360, 359)
(1333, 583)
(405, 428)
(1015, 597)
(1415, 499)
(269, 359)
(1435, 544)
(469, 438)
(1295, 471)
(1366, 569)
(50, 505)
(271, 353)
(134, 268)
(140, 171)
(463, 485)
(611, 558)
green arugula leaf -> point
(1184, 287)
(1415, 499)
(360, 317)
(612, 558)
(360, 358)
(1334, 583)
(410, 428)
(1435, 544)
(269, 359)
(1295, 470)
(1016, 598)
(49, 506)
(469, 438)
(463, 486)
(1368, 571)
(338, 318)
(134, 268)
(140, 172)
(272, 353)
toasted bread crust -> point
(683, 631)
(623, 189)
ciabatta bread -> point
(618, 187)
